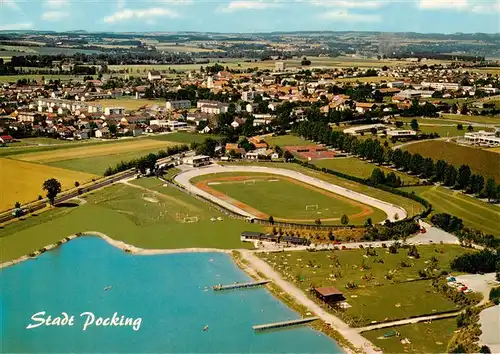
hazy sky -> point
(448, 16)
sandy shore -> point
(118, 244)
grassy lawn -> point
(474, 119)
(376, 297)
(104, 149)
(452, 131)
(424, 337)
(285, 198)
(22, 181)
(185, 138)
(286, 140)
(411, 207)
(358, 168)
(475, 213)
(480, 161)
(44, 141)
(121, 212)
(130, 103)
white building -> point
(482, 138)
(182, 104)
(159, 122)
(441, 85)
(196, 161)
(210, 82)
(401, 133)
(174, 124)
(279, 66)
(213, 107)
(154, 75)
(113, 110)
(364, 129)
(397, 84)
(249, 95)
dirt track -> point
(185, 177)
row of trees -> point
(416, 164)
(484, 261)
(146, 163)
(465, 235)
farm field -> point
(185, 138)
(375, 298)
(411, 207)
(14, 78)
(105, 149)
(130, 103)
(358, 168)
(22, 181)
(473, 119)
(424, 337)
(286, 140)
(480, 161)
(475, 213)
(121, 212)
(285, 199)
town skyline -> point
(255, 16)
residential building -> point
(363, 107)
(108, 111)
(248, 95)
(174, 124)
(182, 104)
(154, 75)
(279, 66)
(396, 84)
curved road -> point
(184, 179)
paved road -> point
(185, 177)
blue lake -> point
(169, 293)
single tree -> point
(369, 222)
(77, 184)
(331, 237)
(344, 220)
(490, 189)
(271, 220)
(17, 205)
(414, 124)
(460, 126)
(317, 221)
(470, 128)
(53, 187)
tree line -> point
(440, 171)
(145, 163)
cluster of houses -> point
(73, 111)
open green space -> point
(136, 216)
(424, 337)
(386, 286)
(412, 207)
(286, 140)
(359, 168)
(38, 77)
(480, 161)
(98, 164)
(475, 213)
(449, 131)
(474, 119)
(287, 199)
(185, 137)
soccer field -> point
(22, 181)
(285, 199)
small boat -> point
(205, 328)
(109, 287)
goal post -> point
(190, 219)
(249, 181)
(312, 207)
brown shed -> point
(329, 294)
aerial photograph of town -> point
(250, 176)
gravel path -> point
(185, 177)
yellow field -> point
(22, 181)
(135, 145)
(130, 103)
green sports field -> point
(136, 216)
(358, 168)
(286, 140)
(475, 213)
(287, 199)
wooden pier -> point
(240, 285)
(276, 325)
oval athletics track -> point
(184, 179)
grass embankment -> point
(132, 215)
(424, 337)
(22, 181)
(286, 199)
(480, 161)
(412, 207)
(384, 287)
(475, 213)
(358, 168)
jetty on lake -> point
(240, 285)
(283, 324)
